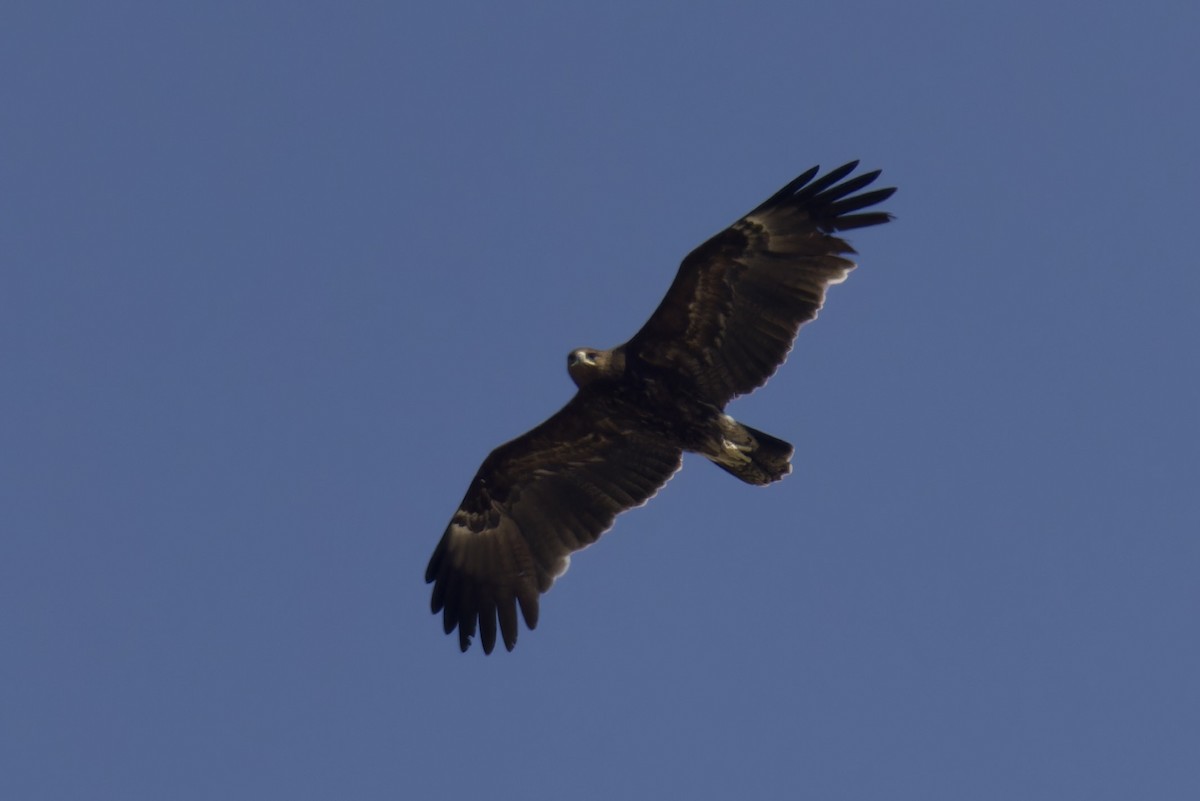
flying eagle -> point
(724, 327)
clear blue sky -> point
(277, 276)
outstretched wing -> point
(535, 501)
(730, 317)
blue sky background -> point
(277, 276)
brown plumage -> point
(724, 327)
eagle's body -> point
(677, 410)
(724, 327)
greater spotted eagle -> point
(724, 327)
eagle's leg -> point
(736, 441)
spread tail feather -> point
(753, 456)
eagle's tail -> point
(751, 455)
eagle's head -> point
(587, 364)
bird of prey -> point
(726, 324)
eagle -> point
(725, 326)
